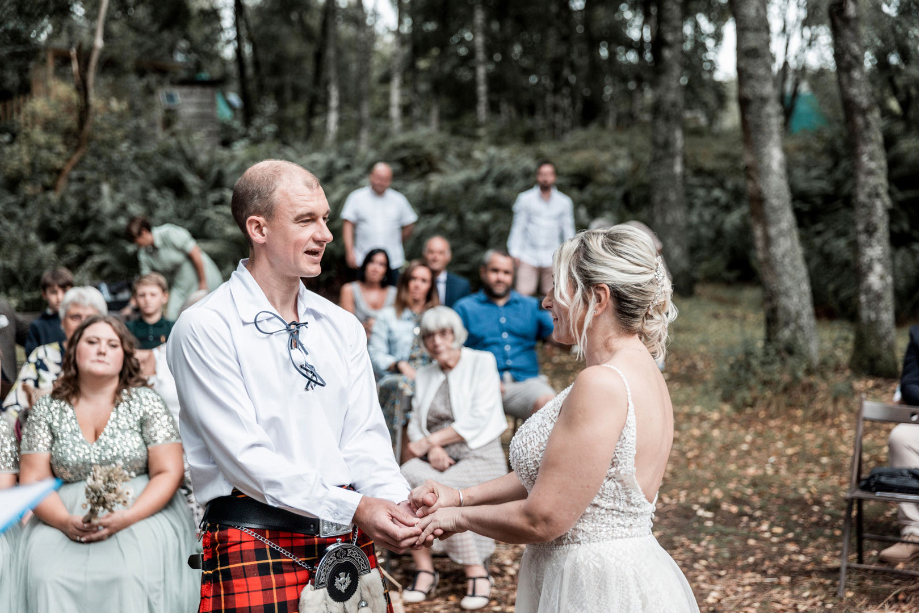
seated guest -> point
(437, 256)
(14, 330)
(371, 293)
(455, 432)
(9, 469)
(101, 414)
(46, 328)
(502, 321)
(395, 345)
(151, 293)
(44, 363)
(904, 453)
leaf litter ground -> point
(752, 504)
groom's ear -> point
(257, 229)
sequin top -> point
(9, 449)
(620, 509)
(139, 421)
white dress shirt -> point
(248, 422)
(378, 222)
(540, 226)
(441, 281)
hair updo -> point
(624, 259)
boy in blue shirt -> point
(46, 328)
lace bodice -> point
(620, 509)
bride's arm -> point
(578, 455)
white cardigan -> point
(475, 398)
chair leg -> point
(844, 561)
(859, 530)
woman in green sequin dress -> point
(100, 413)
(9, 469)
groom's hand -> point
(392, 526)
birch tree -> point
(787, 299)
(365, 43)
(665, 172)
(481, 81)
(395, 84)
(874, 352)
(331, 55)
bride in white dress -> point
(587, 467)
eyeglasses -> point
(270, 323)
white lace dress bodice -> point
(609, 560)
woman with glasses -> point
(455, 432)
(43, 366)
(395, 344)
(101, 414)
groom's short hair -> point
(253, 193)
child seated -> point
(151, 293)
(46, 328)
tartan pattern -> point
(243, 574)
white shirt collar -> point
(251, 300)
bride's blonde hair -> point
(624, 259)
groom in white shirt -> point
(280, 420)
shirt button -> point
(503, 320)
(504, 335)
(508, 362)
(507, 347)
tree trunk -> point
(333, 109)
(875, 349)
(365, 42)
(395, 84)
(88, 83)
(312, 97)
(665, 171)
(787, 299)
(481, 78)
(256, 58)
(241, 62)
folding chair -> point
(855, 496)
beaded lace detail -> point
(620, 509)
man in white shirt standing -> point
(377, 217)
(543, 219)
(280, 421)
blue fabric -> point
(391, 339)
(509, 332)
(46, 328)
(909, 381)
(457, 287)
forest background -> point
(462, 99)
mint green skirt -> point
(142, 568)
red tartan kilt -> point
(241, 573)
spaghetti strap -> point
(628, 390)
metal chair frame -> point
(855, 496)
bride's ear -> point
(603, 299)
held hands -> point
(432, 496)
(392, 526)
(441, 524)
(74, 528)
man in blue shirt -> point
(507, 324)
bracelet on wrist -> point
(461, 496)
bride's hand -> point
(442, 525)
(432, 496)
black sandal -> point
(473, 601)
(414, 595)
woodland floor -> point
(752, 505)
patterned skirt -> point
(241, 573)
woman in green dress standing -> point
(172, 251)
(100, 414)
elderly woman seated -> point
(101, 414)
(43, 365)
(455, 432)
